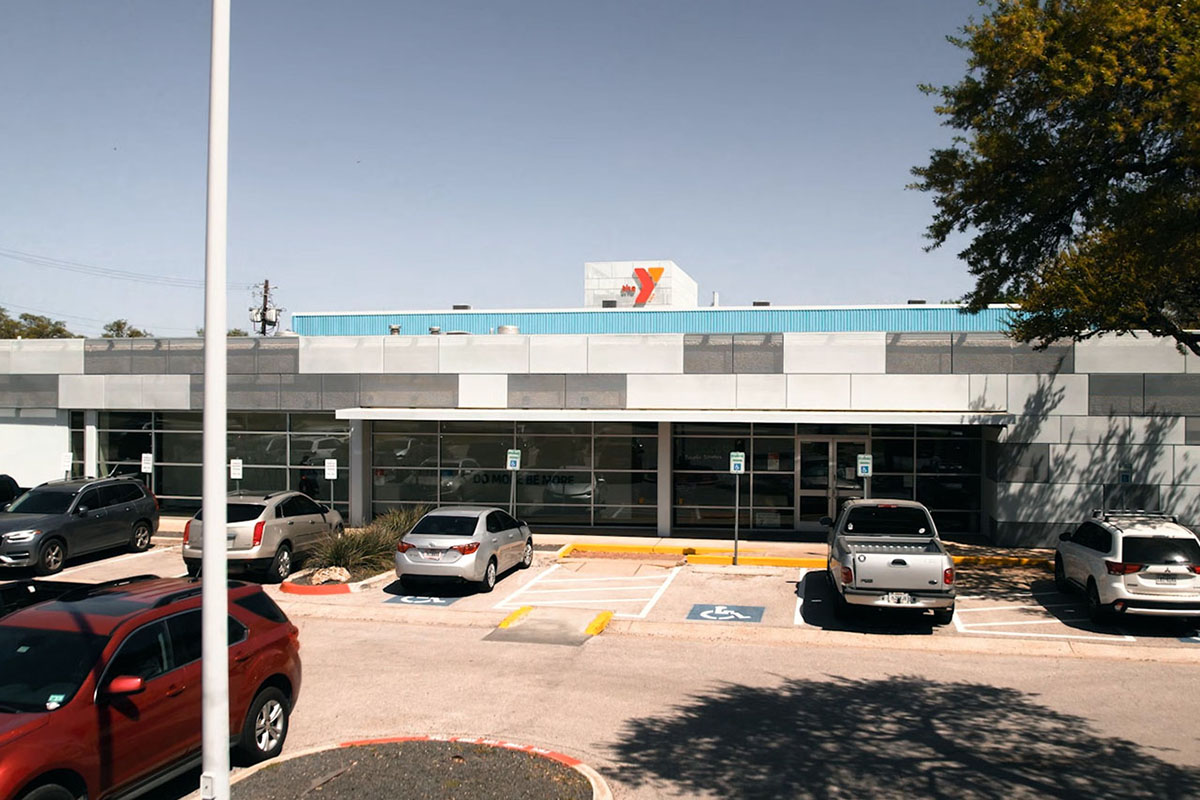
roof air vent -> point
(916, 302)
(760, 302)
(460, 307)
(608, 303)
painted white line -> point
(659, 593)
(594, 589)
(580, 603)
(958, 623)
(106, 561)
(1054, 636)
(524, 588)
(972, 597)
(1015, 608)
(798, 616)
(608, 578)
(1022, 622)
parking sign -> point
(514, 459)
(864, 466)
(147, 462)
(331, 469)
(235, 469)
(737, 462)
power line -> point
(106, 272)
(100, 323)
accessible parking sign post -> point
(513, 462)
(737, 465)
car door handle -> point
(175, 690)
(291, 522)
(241, 656)
(495, 539)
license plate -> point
(1165, 580)
(898, 598)
(431, 555)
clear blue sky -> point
(399, 155)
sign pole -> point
(331, 476)
(737, 465)
(513, 462)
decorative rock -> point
(330, 575)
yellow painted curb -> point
(599, 623)
(759, 561)
(514, 616)
(1000, 561)
(665, 549)
(565, 550)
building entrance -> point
(826, 476)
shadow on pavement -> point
(903, 737)
(817, 611)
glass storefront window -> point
(692, 517)
(179, 421)
(627, 488)
(944, 492)
(707, 454)
(256, 448)
(627, 429)
(483, 450)
(548, 428)
(622, 452)
(892, 487)
(124, 420)
(265, 422)
(774, 455)
(771, 490)
(313, 450)
(712, 429)
(405, 426)
(949, 456)
(503, 429)
(402, 450)
(705, 489)
(123, 446)
(412, 485)
(555, 452)
(625, 515)
(555, 515)
(317, 423)
(892, 455)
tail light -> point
(1195, 568)
(404, 547)
(259, 527)
(187, 531)
(465, 549)
(948, 576)
(1121, 568)
(847, 575)
(294, 636)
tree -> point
(32, 326)
(1079, 174)
(121, 329)
(231, 333)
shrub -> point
(366, 551)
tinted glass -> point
(90, 499)
(290, 507)
(262, 605)
(494, 525)
(43, 501)
(1159, 550)
(143, 655)
(239, 512)
(185, 637)
(445, 526)
(42, 669)
(895, 521)
(506, 521)
(305, 505)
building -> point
(625, 416)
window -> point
(291, 507)
(506, 521)
(144, 654)
(117, 493)
(90, 499)
(494, 525)
(1161, 550)
(445, 526)
(262, 605)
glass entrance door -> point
(826, 477)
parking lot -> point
(997, 603)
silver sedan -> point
(464, 543)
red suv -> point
(100, 684)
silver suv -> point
(265, 532)
(1129, 562)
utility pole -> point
(265, 316)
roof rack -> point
(88, 590)
(1105, 513)
(192, 591)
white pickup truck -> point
(887, 554)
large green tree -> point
(32, 326)
(1076, 172)
(121, 329)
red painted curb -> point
(524, 748)
(326, 588)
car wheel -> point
(943, 616)
(193, 568)
(1060, 574)
(140, 541)
(51, 791)
(527, 559)
(265, 728)
(1097, 611)
(489, 577)
(51, 557)
(281, 565)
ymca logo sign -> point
(647, 280)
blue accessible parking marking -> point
(709, 612)
(421, 600)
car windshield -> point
(888, 521)
(43, 501)
(441, 525)
(41, 670)
(238, 512)
(1160, 550)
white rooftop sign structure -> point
(638, 284)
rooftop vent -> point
(916, 302)
(435, 330)
(608, 303)
(460, 307)
(394, 330)
(760, 302)
(508, 329)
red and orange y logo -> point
(647, 280)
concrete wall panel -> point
(537, 391)
(596, 391)
(1047, 430)
(147, 357)
(107, 356)
(989, 392)
(1127, 354)
(919, 353)
(409, 391)
(765, 392)
(1121, 430)
(818, 392)
(166, 392)
(81, 391)
(758, 353)
(636, 354)
(1101, 464)
(280, 355)
(834, 353)
(411, 354)
(910, 392)
(483, 354)
(1039, 395)
(482, 391)
(302, 393)
(708, 354)
(682, 391)
(558, 354)
(341, 354)
(47, 357)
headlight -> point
(20, 536)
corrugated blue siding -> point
(707, 320)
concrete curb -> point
(332, 588)
(656, 549)
(600, 790)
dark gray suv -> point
(63, 519)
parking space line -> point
(1019, 622)
(605, 578)
(508, 600)
(1126, 638)
(587, 593)
(798, 616)
(107, 561)
(1016, 608)
(659, 593)
(600, 601)
(593, 589)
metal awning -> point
(678, 415)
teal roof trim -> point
(917, 319)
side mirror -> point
(826, 522)
(81, 510)
(125, 684)
(324, 508)
(5, 507)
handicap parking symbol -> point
(721, 613)
(421, 600)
